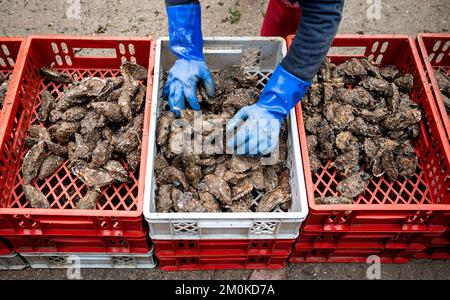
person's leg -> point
(281, 19)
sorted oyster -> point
(273, 199)
(89, 201)
(116, 170)
(32, 162)
(101, 154)
(63, 132)
(333, 200)
(96, 178)
(35, 197)
(55, 76)
(47, 102)
(39, 133)
(353, 185)
(50, 164)
(164, 201)
(218, 187)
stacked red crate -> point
(179, 255)
(416, 209)
(116, 225)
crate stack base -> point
(178, 255)
(116, 225)
(394, 220)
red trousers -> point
(281, 19)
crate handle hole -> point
(436, 45)
(95, 52)
(446, 46)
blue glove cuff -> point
(282, 92)
(185, 31)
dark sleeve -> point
(180, 2)
(318, 26)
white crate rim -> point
(152, 217)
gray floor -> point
(148, 18)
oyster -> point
(74, 114)
(136, 71)
(333, 200)
(55, 76)
(96, 178)
(39, 133)
(47, 102)
(35, 197)
(164, 122)
(110, 110)
(219, 188)
(63, 132)
(273, 199)
(89, 201)
(32, 162)
(116, 170)
(405, 83)
(354, 185)
(101, 154)
(163, 199)
(50, 164)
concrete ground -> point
(148, 18)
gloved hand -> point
(261, 122)
(186, 41)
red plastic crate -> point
(325, 252)
(119, 211)
(80, 244)
(435, 52)
(222, 248)
(434, 252)
(224, 263)
(421, 203)
(4, 249)
(387, 240)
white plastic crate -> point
(260, 56)
(90, 260)
(11, 262)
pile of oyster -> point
(96, 124)
(362, 119)
(443, 80)
(188, 181)
(3, 89)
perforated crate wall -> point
(119, 209)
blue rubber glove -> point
(260, 123)
(186, 41)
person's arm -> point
(318, 26)
(290, 80)
(186, 42)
